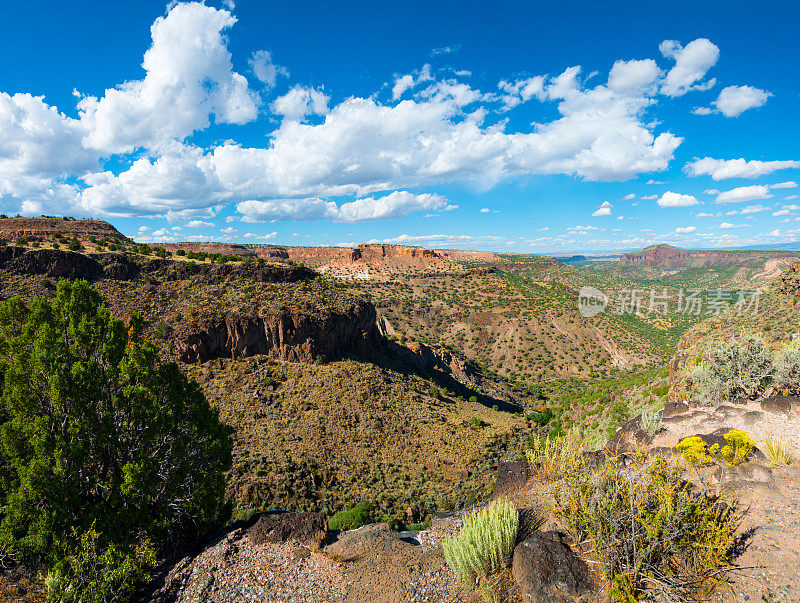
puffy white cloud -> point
(603, 210)
(522, 90)
(229, 230)
(670, 199)
(685, 229)
(299, 102)
(692, 62)
(786, 210)
(189, 76)
(38, 144)
(789, 184)
(394, 205)
(702, 110)
(728, 225)
(253, 235)
(287, 209)
(264, 69)
(579, 229)
(199, 224)
(179, 180)
(633, 77)
(629, 196)
(735, 100)
(744, 193)
(721, 169)
(410, 80)
(360, 146)
(444, 240)
(485, 210)
(446, 49)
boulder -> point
(781, 404)
(547, 570)
(310, 529)
(511, 477)
(629, 438)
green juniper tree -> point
(106, 452)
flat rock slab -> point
(367, 540)
(781, 404)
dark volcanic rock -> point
(629, 437)
(285, 336)
(511, 477)
(172, 270)
(310, 529)
(57, 263)
(9, 252)
(547, 570)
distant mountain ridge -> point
(667, 256)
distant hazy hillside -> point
(707, 269)
(666, 256)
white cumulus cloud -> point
(721, 169)
(397, 204)
(735, 100)
(299, 102)
(744, 193)
(264, 69)
(670, 199)
(692, 62)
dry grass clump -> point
(552, 457)
(484, 544)
(778, 450)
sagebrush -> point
(484, 544)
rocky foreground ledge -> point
(282, 556)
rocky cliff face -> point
(50, 262)
(284, 336)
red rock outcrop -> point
(47, 227)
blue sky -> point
(534, 127)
